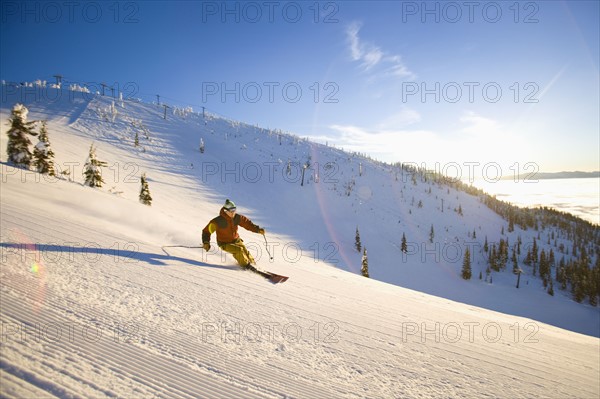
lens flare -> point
(36, 267)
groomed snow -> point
(91, 306)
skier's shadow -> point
(53, 253)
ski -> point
(272, 277)
(277, 278)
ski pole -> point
(267, 247)
(177, 246)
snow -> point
(93, 307)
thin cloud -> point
(371, 56)
(392, 145)
(399, 120)
(477, 124)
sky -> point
(482, 87)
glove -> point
(261, 231)
(206, 246)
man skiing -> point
(226, 226)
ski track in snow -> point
(92, 307)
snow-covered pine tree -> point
(365, 264)
(17, 148)
(466, 267)
(357, 243)
(145, 197)
(113, 112)
(43, 154)
(92, 172)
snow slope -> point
(92, 307)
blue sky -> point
(436, 83)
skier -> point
(226, 226)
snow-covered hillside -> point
(91, 305)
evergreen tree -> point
(493, 259)
(579, 281)
(145, 197)
(43, 154)
(365, 264)
(594, 286)
(403, 245)
(357, 243)
(551, 288)
(528, 260)
(17, 148)
(551, 258)
(466, 268)
(502, 255)
(431, 234)
(561, 276)
(93, 173)
(544, 268)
